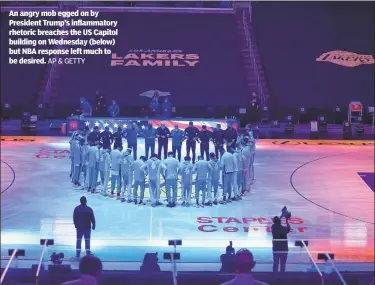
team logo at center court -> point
(346, 58)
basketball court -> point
(327, 185)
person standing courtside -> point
(93, 167)
(150, 136)
(77, 160)
(131, 136)
(239, 159)
(228, 167)
(85, 165)
(127, 161)
(249, 132)
(114, 109)
(71, 143)
(218, 139)
(253, 109)
(246, 152)
(202, 168)
(106, 138)
(252, 147)
(204, 137)
(84, 221)
(153, 168)
(117, 137)
(191, 135)
(171, 174)
(139, 180)
(162, 133)
(116, 156)
(230, 137)
(177, 138)
(94, 136)
(213, 179)
(186, 171)
(104, 169)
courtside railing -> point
(196, 254)
(153, 237)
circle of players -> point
(232, 167)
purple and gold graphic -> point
(368, 178)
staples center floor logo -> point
(346, 58)
(246, 224)
(155, 58)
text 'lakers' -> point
(156, 59)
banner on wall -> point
(155, 58)
(346, 58)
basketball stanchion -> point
(13, 253)
(45, 243)
(173, 257)
(331, 257)
(304, 244)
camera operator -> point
(280, 248)
(228, 260)
(150, 263)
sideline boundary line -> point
(14, 177)
(307, 199)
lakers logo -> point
(345, 58)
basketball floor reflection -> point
(332, 206)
